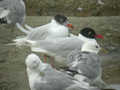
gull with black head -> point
(58, 27)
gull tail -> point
(19, 42)
(29, 27)
(22, 29)
(22, 41)
(10, 44)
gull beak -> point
(70, 26)
(99, 36)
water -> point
(12, 67)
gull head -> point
(90, 33)
(63, 20)
(91, 46)
(32, 61)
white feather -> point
(4, 13)
(29, 27)
(22, 29)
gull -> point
(59, 48)
(12, 12)
(87, 62)
(42, 76)
(58, 27)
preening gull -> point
(87, 62)
(12, 11)
(42, 76)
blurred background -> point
(73, 7)
(101, 15)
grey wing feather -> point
(61, 46)
(55, 80)
(66, 46)
(89, 64)
(59, 80)
(39, 34)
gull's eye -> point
(97, 46)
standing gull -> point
(12, 12)
(58, 27)
(61, 47)
(42, 76)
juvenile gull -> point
(58, 27)
(42, 76)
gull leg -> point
(52, 62)
(45, 58)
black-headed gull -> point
(61, 47)
(12, 11)
(87, 62)
(58, 27)
(42, 76)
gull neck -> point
(85, 39)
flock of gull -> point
(78, 53)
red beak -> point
(70, 26)
(99, 36)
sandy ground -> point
(12, 67)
